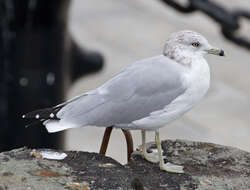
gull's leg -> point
(105, 140)
(151, 157)
(168, 166)
(106, 137)
(130, 144)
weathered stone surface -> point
(207, 167)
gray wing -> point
(132, 94)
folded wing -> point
(134, 93)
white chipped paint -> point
(52, 155)
(107, 165)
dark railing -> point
(229, 20)
(38, 62)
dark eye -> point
(196, 44)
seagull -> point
(146, 95)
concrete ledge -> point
(207, 166)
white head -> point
(188, 44)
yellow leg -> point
(168, 166)
(143, 139)
(151, 157)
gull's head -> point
(189, 44)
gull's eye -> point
(196, 44)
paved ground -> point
(126, 31)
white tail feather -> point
(53, 126)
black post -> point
(38, 61)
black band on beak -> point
(221, 53)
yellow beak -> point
(216, 51)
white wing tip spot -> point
(37, 116)
(52, 115)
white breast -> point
(198, 80)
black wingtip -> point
(43, 114)
(34, 123)
(39, 116)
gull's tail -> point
(46, 116)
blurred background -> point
(123, 32)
